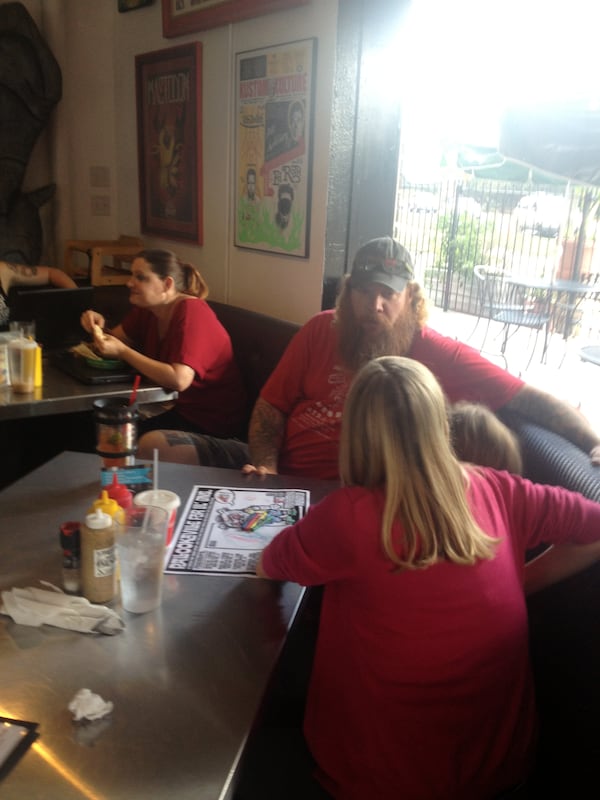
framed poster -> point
(169, 120)
(274, 116)
(187, 16)
(131, 5)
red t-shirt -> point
(421, 684)
(309, 386)
(215, 402)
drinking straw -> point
(154, 488)
(133, 395)
(155, 471)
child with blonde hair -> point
(421, 685)
(478, 436)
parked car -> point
(545, 213)
(466, 205)
(423, 202)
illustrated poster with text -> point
(224, 530)
(273, 165)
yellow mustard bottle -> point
(38, 379)
(109, 506)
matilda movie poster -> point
(170, 142)
(274, 142)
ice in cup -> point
(21, 364)
(140, 544)
(162, 498)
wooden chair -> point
(98, 271)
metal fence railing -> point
(534, 231)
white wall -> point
(95, 125)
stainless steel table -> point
(186, 680)
(62, 394)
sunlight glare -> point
(465, 62)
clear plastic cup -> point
(163, 498)
(21, 364)
(141, 554)
(25, 330)
(4, 370)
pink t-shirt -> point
(309, 386)
(421, 684)
(215, 402)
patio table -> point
(573, 293)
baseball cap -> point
(382, 260)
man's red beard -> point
(358, 344)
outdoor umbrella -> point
(563, 139)
(490, 164)
(559, 138)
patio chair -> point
(513, 304)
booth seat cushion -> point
(549, 458)
(258, 342)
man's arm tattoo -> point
(265, 435)
(24, 270)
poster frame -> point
(170, 147)
(180, 17)
(270, 106)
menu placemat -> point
(224, 529)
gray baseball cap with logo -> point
(382, 260)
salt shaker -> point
(69, 541)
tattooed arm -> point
(23, 274)
(57, 277)
(265, 437)
(558, 416)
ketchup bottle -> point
(120, 493)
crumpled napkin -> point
(35, 607)
(87, 705)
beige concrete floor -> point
(563, 374)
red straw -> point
(133, 394)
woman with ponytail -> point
(173, 338)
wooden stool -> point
(100, 273)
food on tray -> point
(92, 358)
(85, 351)
(105, 363)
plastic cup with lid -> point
(162, 498)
